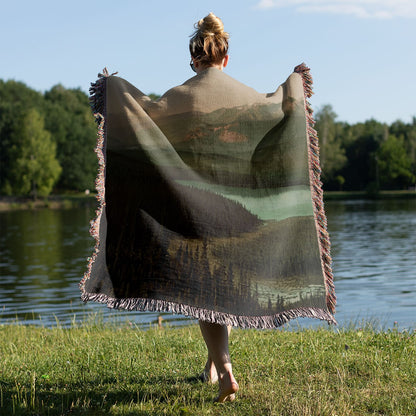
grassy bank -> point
(103, 370)
(64, 201)
(340, 195)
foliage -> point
(98, 369)
(34, 168)
(15, 100)
(394, 163)
(332, 154)
(69, 119)
(367, 156)
(153, 96)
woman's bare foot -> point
(228, 388)
(216, 338)
(209, 374)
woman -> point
(212, 205)
(209, 49)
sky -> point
(361, 53)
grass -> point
(103, 369)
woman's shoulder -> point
(214, 78)
(209, 90)
(212, 88)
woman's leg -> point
(209, 374)
(216, 339)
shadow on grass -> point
(100, 396)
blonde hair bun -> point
(211, 25)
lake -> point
(43, 257)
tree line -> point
(368, 156)
(47, 142)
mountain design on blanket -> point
(210, 202)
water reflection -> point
(43, 256)
(374, 254)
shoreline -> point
(59, 201)
(348, 195)
(67, 201)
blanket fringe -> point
(317, 192)
(258, 322)
(97, 103)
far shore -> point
(347, 195)
(61, 201)
(66, 201)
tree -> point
(408, 133)
(394, 164)
(34, 168)
(361, 142)
(71, 123)
(15, 99)
(6, 127)
(332, 154)
(153, 96)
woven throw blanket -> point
(210, 202)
